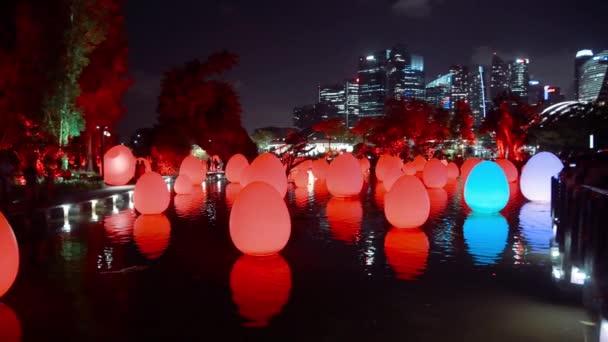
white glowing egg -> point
(535, 181)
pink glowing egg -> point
(151, 234)
(10, 327)
(259, 221)
(435, 174)
(320, 168)
(407, 252)
(182, 185)
(444, 162)
(344, 176)
(320, 190)
(453, 171)
(260, 288)
(118, 165)
(232, 190)
(509, 169)
(409, 169)
(235, 166)
(407, 204)
(365, 165)
(266, 168)
(391, 177)
(419, 163)
(301, 179)
(9, 256)
(387, 165)
(344, 216)
(194, 169)
(151, 195)
(466, 168)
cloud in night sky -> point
(413, 8)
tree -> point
(364, 128)
(203, 109)
(262, 139)
(331, 128)
(461, 125)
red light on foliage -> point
(344, 176)
(151, 195)
(266, 168)
(407, 252)
(260, 288)
(234, 169)
(119, 165)
(435, 174)
(194, 169)
(509, 169)
(259, 220)
(10, 327)
(151, 234)
(344, 216)
(9, 256)
(182, 185)
(407, 204)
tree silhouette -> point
(331, 128)
(461, 125)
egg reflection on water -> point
(10, 327)
(151, 234)
(344, 216)
(536, 226)
(486, 237)
(407, 251)
(260, 288)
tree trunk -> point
(89, 152)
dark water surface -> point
(345, 274)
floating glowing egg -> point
(535, 181)
(344, 217)
(10, 327)
(119, 227)
(486, 237)
(260, 288)
(407, 204)
(439, 200)
(407, 251)
(232, 190)
(151, 234)
(466, 168)
(259, 220)
(509, 169)
(391, 177)
(444, 162)
(194, 168)
(453, 171)
(319, 168)
(419, 163)
(151, 195)
(182, 185)
(190, 205)
(486, 189)
(536, 226)
(435, 174)
(344, 176)
(386, 165)
(409, 169)
(301, 179)
(118, 165)
(266, 168)
(9, 256)
(365, 165)
(235, 166)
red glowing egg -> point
(182, 185)
(365, 165)
(439, 200)
(409, 169)
(391, 177)
(419, 163)
(407, 204)
(509, 169)
(10, 327)
(466, 168)
(232, 190)
(119, 226)
(9, 256)
(235, 166)
(118, 165)
(344, 216)
(435, 174)
(301, 178)
(194, 168)
(320, 168)
(344, 176)
(151, 195)
(151, 234)
(259, 221)
(387, 165)
(190, 205)
(260, 288)
(453, 171)
(444, 162)
(407, 252)
(266, 168)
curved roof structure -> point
(562, 109)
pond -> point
(345, 274)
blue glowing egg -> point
(486, 189)
(486, 237)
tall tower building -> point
(520, 78)
(439, 91)
(477, 93)
(333, 95)
(499, 77)
(372, 84)
(581, 58)
(460, 84)
(352, 102)
(405, 74)
(593, 84)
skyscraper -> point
(439, 90)
(520, 78)
(352, 102)
(334, 95)
(499, 77)
(581, 58)
(308, 115)
(593, 84)
(460, 84)
(372, 84)
(477, 93)
(405, 73)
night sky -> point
(287, 47)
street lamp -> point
(104, 132)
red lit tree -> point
(461, 125)
(331, 128)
